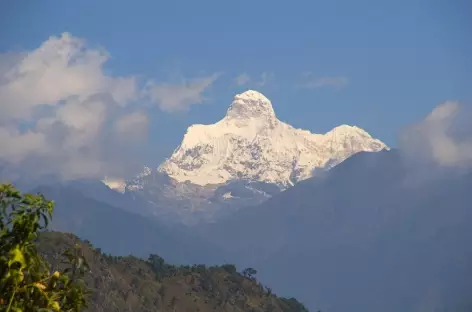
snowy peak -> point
(345, 131)
(118, 185)
(348, 129)
(250, 143)
(250, 104)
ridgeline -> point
(133, 284)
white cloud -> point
(132, 126)
(16, 146)
(61, 67)
(312, 82)
(56, 108)
(263, 79)
(179, 97)
(242, 79)
(443, 137)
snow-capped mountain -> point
(241, 160)
(250, 143)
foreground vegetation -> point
(26, 281)
(92, 281)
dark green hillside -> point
(132, 284)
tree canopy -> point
(26, 281)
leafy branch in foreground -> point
(26, 283)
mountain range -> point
(243, 159)
(338, 220)
(373, 233)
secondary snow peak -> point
(250, 104)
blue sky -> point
(378, 64)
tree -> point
(230, 268)
(159, 266)
(26, 283)
(249, 273)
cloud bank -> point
(62, 115)
(443, 138)
(179, 97)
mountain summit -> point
(250, 143)
(251, 104)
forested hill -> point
(133, 284)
